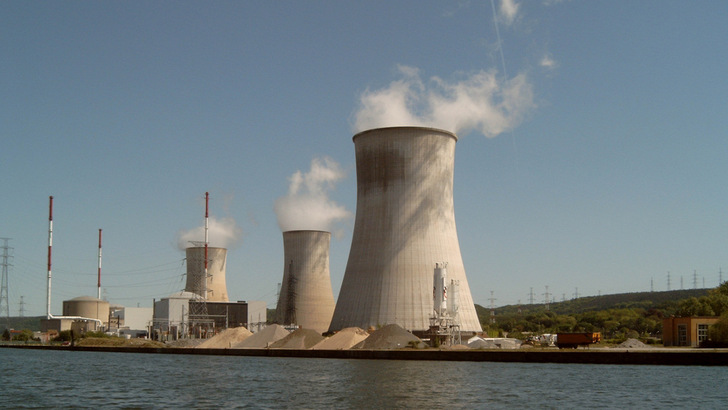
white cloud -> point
(222, 233)
(548, 62)
(479, 102)
(509, 11)
(307, 205)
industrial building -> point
(130, 321)
(686, 331)
(171, 318)
(215, 290)
(404, 225)
(82, 314)
(306, 298)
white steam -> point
(222, 233)
(307, 205)
(480, 102)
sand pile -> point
(390, 337)
(343, 339)
(226, 339)
(264, 338)
(632, 344)
(480, 343)
(299, 339)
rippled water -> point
(42, 379)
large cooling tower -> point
(306, 298)
(405, 224)
(216, 285)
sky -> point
(591, 158)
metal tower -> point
(4, 304)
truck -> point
(574, 340)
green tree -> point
(719, 331)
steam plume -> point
(307, 205)
(479, 103)
(223, 233)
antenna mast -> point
(98, 293)
(50, 247)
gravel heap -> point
(299, 339)
(632, 344)
(264, 338)
(225, 339)
(343, 339)
(389, 337)
(184, 343)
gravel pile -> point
(343, 339)
(226, 339)
(184, 343)
(299, 339)
(264, 338)
(390, 337)
(632, 344)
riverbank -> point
(676, 356)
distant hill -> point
(644, 300)
(20, 323)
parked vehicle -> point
(574, 340)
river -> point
(45, 379)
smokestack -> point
(207, 262)
(306, 298)
(98, 292)
(50, 246)
(405, 223)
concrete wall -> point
(405, 224)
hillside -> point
(646, 300)
(20, 323)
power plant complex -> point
(404, 229)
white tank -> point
(306, 298)
(439, 290)
(216, 284)
(405, 223)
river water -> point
(45, 379)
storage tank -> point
(405, 224)
(216, 285)
(87, 307)
(306, 298)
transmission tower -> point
(668, 281)
(4, 305)
(21, 308)
(492, 307)
(530, 297)
(695, 279)
(576, 293)
(546, 297)
(720, 276)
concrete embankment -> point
(683, 357)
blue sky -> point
(608, 170)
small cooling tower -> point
(216, 285)
(306, 298)
(405, 224)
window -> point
(702, 332)
(682, 335)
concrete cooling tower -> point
(306, 298)
(216, 285)
(405, 224)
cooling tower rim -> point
(307, 230)
(202, 247)
(411, 127)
